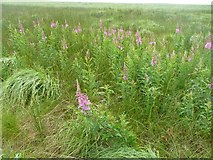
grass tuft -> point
(28, 87)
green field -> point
(106, 80)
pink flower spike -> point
(105, 33)
(83, 100)
(128, 33)
(125, 78)
(189, 59)
(138, 38)
(79, 28)
(21, 28)
(177, 30)
(137, 34)
(75, 30)
(125, 72)
(113, 31)
(121, 30)
(153, 62)
(208, 45)
(139, 41)
(53, 25)
(120, 47)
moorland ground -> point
(106, 80)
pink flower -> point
(120, 47)
(75, 30)
(137, 34)
(105, 33)
(83, 101)
(153, 62)
(78, 29)
(125, 78)
(152, 41)
(21, 28)
(208, 45)
(177, 30)
(128, 33)
(125, 72)
(121, 30)
(113, 31)
(138, 38)
(53, 25)
(139, 41)
(189, 59)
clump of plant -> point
(87, 134)
(91, 130)
(28, 87)
(7, 67)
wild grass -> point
(27, 87)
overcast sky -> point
(145, 1)
(208, 2)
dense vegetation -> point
(103, 80)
